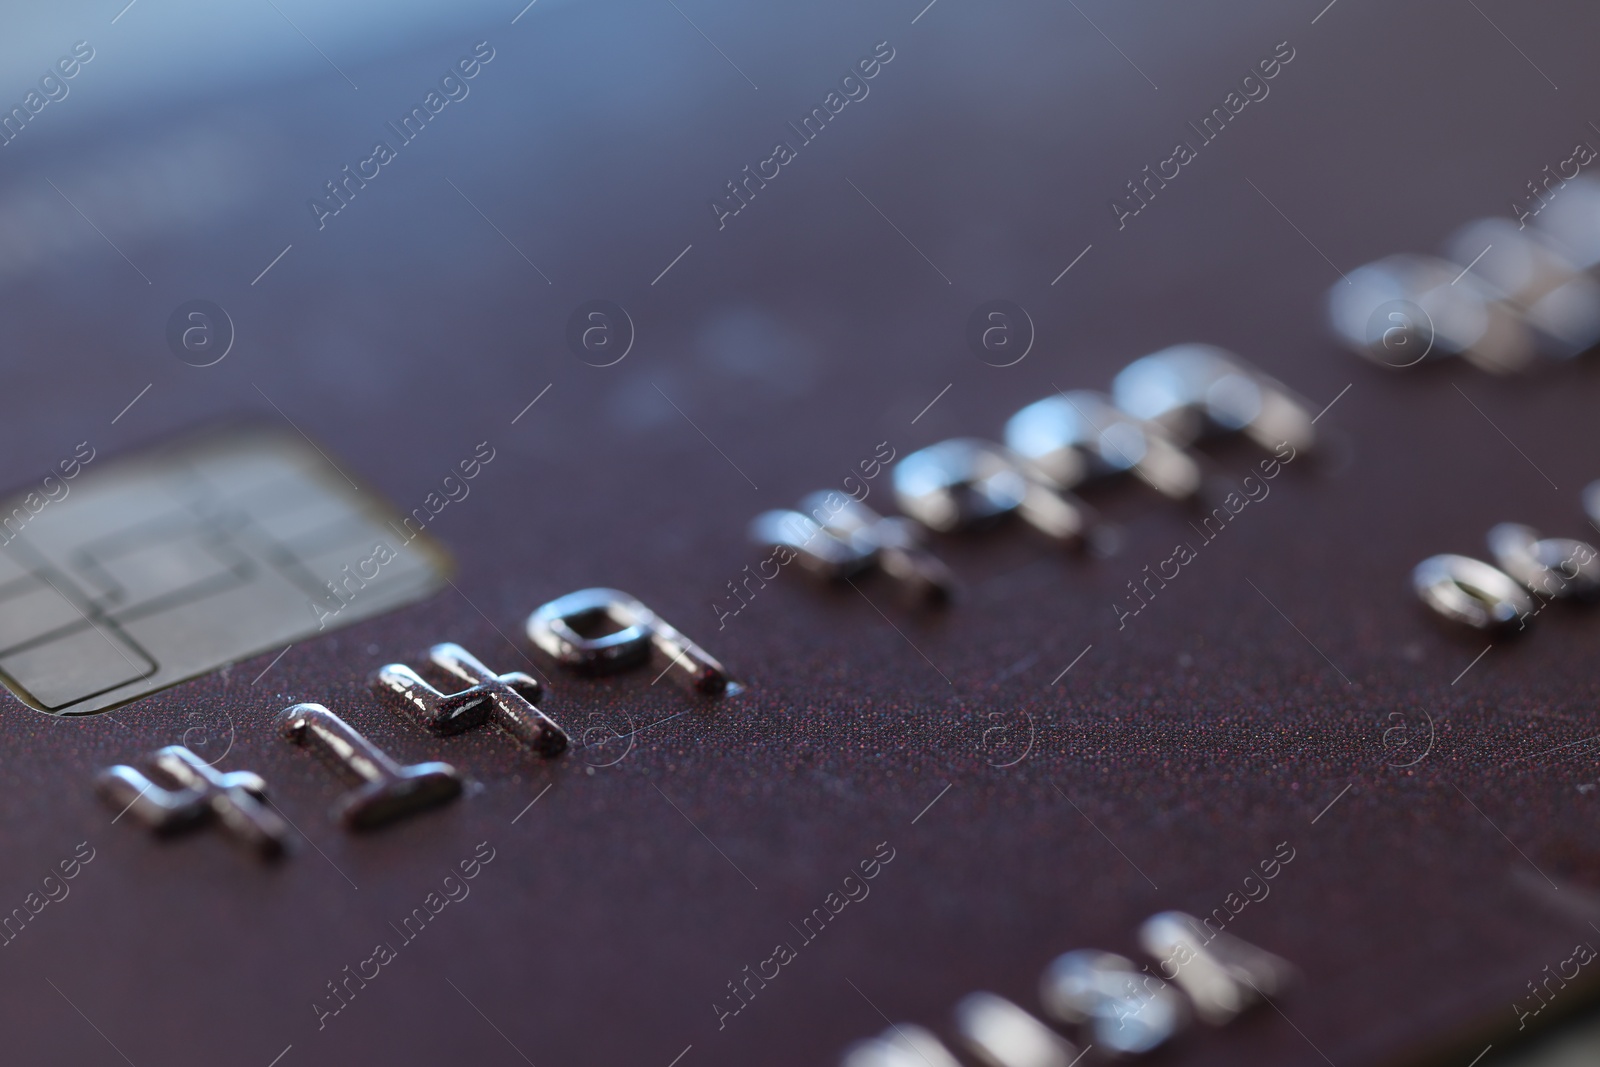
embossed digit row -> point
(1508, 295)
(1105, 999)
(1529, 572)
(594, 631)
(1159, 405)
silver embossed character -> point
(820, 548)
(1126, 1010)
(965, 483)
(1404, 309)
(1081, 436)
(1001, 1034)
(574, 628)
(1554, 567)
(1194, 391)
(199, 793)
(507, 701)
(1558, 301)
(902, 1045)
(835, 537)
(389, 790)
(1222, 974)
(1470, 591)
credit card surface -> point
(582, 292)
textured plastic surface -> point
(1158, 772)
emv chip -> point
(141, 572)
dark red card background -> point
(797, 338)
